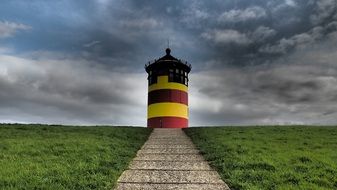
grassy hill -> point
(66, 157)
(71, 157)
(278, 157)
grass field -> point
(62, 157)
(280, 157)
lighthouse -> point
(167, 92)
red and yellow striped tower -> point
(168, 92)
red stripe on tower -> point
(167, 95)
(167, 122)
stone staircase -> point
(169, 160)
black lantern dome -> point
(176, 69)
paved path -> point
(169, 160)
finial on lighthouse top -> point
(168, 51)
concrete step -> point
(167, 132)
(164, 130)
(168, 138)
(167, 129)
(170, 157)
(169, 165)
(151, 142)
(169, 150)
(168, 146)
(160, 186)
(169, 176)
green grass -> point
(66, 157)
(275, 157)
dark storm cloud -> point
(300, 88)
(238, 31)
(68, 91)
(253, 61)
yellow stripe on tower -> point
(163, 83)
(167, 110)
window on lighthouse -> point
(152, 78)
(178, 76)
(171, 75)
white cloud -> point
(195, 14)
(92, 43)
(291, 3)
(8, 29)
(104, 2)
(240, 15)
(277, 7)
(143, 24)
(263, 33)
(226, 37)
(298, 41)
(5, 50)
(324, 9)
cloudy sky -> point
(254, 62)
